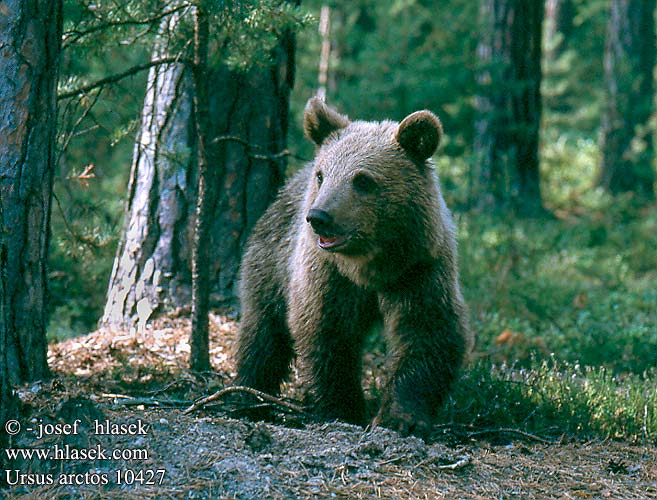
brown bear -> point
(360, 235)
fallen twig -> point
(516, 432)
(124, 400)
(462, 462)
(468, 433)
(263, 396)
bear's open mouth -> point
(332, 242)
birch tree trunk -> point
(626, 132)
(247, 129)
(508, 106)
(30, 41)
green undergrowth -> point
(582, 289)
(565, 313)
(556, 400)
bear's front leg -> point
(428, 334)
(329, 318)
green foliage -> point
(563, 308)
(578, 288)
(557, 399)
(95, 144)
(247, 31)
(572, 80)
(82, 249)
(390, 58)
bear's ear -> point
(319, 120)
(419, 134)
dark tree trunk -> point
(30, 40)
(247, 128)
(8, 403)
(509, 106)
(252, 107)
(626, 136)
(199, 358)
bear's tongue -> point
(329, 241)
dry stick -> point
(125, 400)
(254, 392)
(501, 430)
(517, 432)
(461, 462)
(248, 145)
(170, 385)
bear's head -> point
(373, 189)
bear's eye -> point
(319, 177)
(363, 183)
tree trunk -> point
(153, 261)
(30, 40)
(252, 107)
(509, 106)
(247, 129)
(199, 358)
(8, 403)
(626, 132)
(325, 52)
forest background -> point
(565, 294)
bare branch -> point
(257, 156)
(120, 76)
(470, 432)
(72, 133)
(263, 396)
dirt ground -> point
(136, 386)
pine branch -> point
(73, 36)
(80, 238)
(119, 76)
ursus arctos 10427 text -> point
(360, 235)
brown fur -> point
(391, 257)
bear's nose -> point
(320, 220)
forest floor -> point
(137, 386)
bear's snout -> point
(321, 221)
(330, 236)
